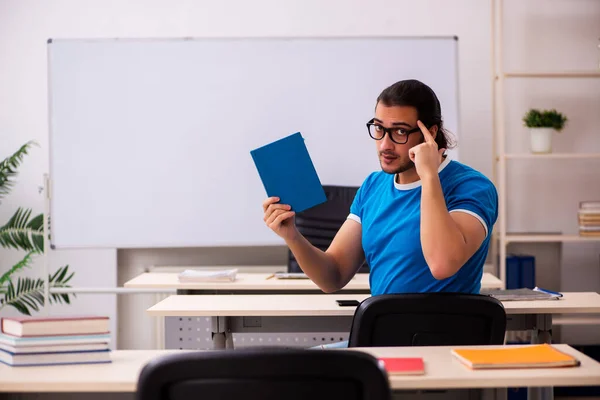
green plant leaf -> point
(24, 263)
(23, 232)
(9, 166)
(60, 279)
(544, 119)
(28, 294)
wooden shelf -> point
(558, 74)
(551, 156)
(525, 238)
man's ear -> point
(434, 130)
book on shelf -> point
(589, 213)
(402, 365)
(528, 356)
(590, 205)
(588, 218)
(54, 358)
(520, 271)
(50, 326)
(590, 234)
(590, 228)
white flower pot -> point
(541, 140)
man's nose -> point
(386, 143)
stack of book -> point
(31, 341)
(589, 218)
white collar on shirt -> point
(416, 184)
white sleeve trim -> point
(475, 215)
(354, 217)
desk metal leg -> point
(540, 393)
(221, 334)
(229, 340)
(494, 394)
(542, 333)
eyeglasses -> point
(397, 135)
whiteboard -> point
(150, 139)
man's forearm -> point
(442, 242)
(319, 266)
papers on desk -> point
(534, 356)
(290, 275)
(191, 275)
(520, 294)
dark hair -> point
(416, 94)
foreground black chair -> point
(265, 374)
(320, 223)
(428, 319)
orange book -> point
(534, 356)
(402, 365)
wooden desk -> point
(257, 283)
(442, 372)
(321, 313)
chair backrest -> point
(265, 374)
(320, 223)
(428, 319)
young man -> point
(423, 223)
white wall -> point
(26, 24)
(544, 196)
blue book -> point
(527, 265)
(287, 172)
(513, 272)
(520, 271)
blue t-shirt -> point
(390, 216)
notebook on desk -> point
(402, 365)
(533, 356)
(519, 294)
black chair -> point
(265, 374)
(320, 223)
(428, 319)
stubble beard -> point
(403, 167)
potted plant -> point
(24, 232)
(541, 125)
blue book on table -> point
(513, 272)
(520, 271)
(527, 265)
(287, 172)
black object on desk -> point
(348, 303)
(320, 223)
